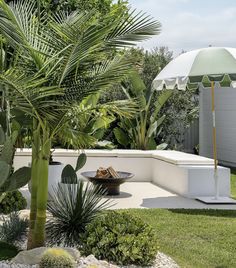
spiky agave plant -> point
(58, 61)
(73, 206)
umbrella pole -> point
(214, 141)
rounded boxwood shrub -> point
(120, 238)
(56, 258)
(12, 201)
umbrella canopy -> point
(199, 67)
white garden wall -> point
(185, 174)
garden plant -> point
(121, 238)
(142, 131)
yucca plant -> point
(58, 61)
(14, 228)
(73, 206)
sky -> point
(191, 24)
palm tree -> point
(58, 61)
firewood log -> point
(113, 173)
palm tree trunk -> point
(42, 192)
(35, 169)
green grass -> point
(233, 183)
(194, 238)
(7, 251)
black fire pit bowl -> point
(112, 185)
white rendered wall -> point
(201, 180)
(170, 176)
(185, 174)
(141, 165)
(190, 180)
(225, 102)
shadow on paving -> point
(179, 202)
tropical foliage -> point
(73, 206)
(88, 121)
(141, 131)
(58, 61)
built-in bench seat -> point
(185, 174)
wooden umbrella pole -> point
(214, 140)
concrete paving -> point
(148, 195)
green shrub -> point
(7, 251)
(12, 201)
(56, 258)
(13, 229)
(121, 238)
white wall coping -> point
(173, 157)
(180, 158)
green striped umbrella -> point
(202, 67)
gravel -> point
(162, 261)
(7, 264)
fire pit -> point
(108, 178)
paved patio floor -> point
(148, 195)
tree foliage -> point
(180, 110)
(103, 7)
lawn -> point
(233, 183)
(194, 238)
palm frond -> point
(99, 77)
(18, 23)
(134, 28)
(30, 94)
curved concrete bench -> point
(185, 174)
